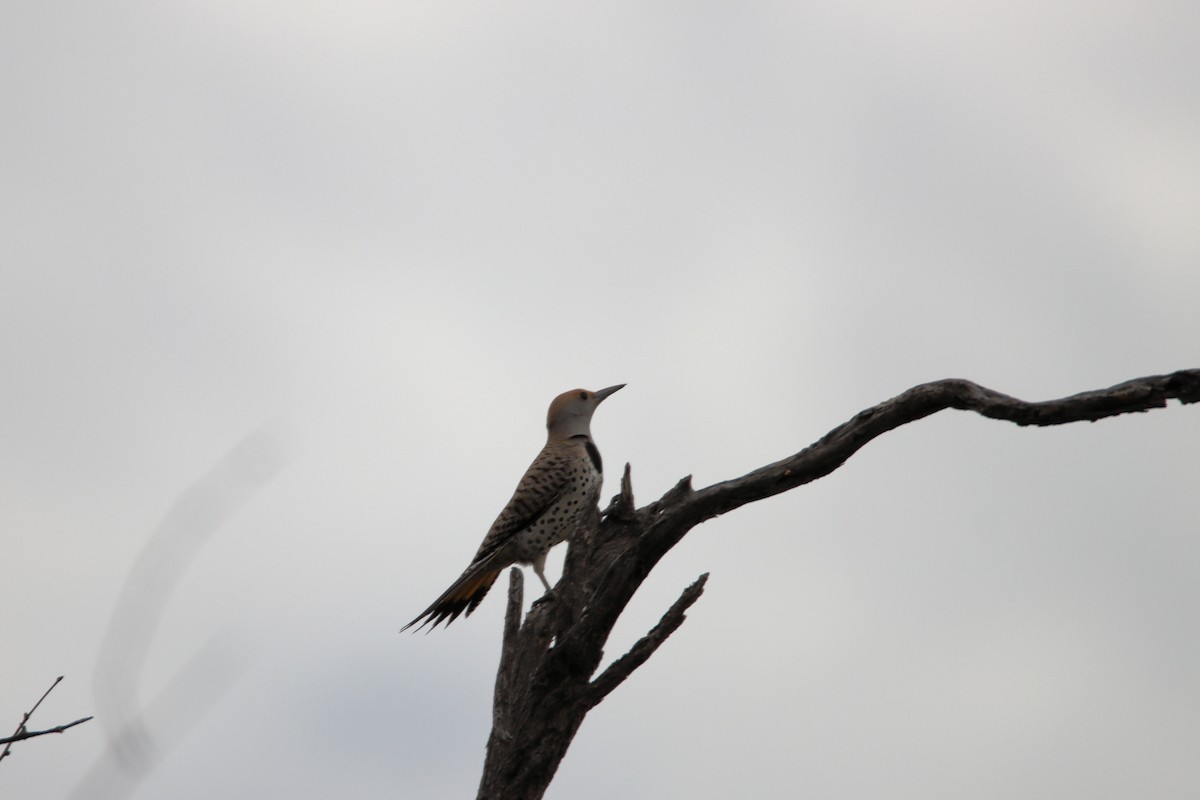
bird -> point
(560, 486)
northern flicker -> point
(559, 487)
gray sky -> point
(378, 238)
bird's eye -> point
(583, 395)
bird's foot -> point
(546, 598)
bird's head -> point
(571, 412)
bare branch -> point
(837, 446)
(23, 733)
(624, 666)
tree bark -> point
(547, 679)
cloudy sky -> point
(287, 288)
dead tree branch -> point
(545, 684)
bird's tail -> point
(462, 596)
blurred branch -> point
(132, 753)
(138, 735)
(545, 686)
(23, 733)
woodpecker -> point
(559, 487)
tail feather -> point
(462, 596)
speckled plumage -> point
(561, 484)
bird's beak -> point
(603, 393)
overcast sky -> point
(288, 286)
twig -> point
(22, 733)
(30, 734)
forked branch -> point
(23, 732)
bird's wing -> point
(547, 478)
